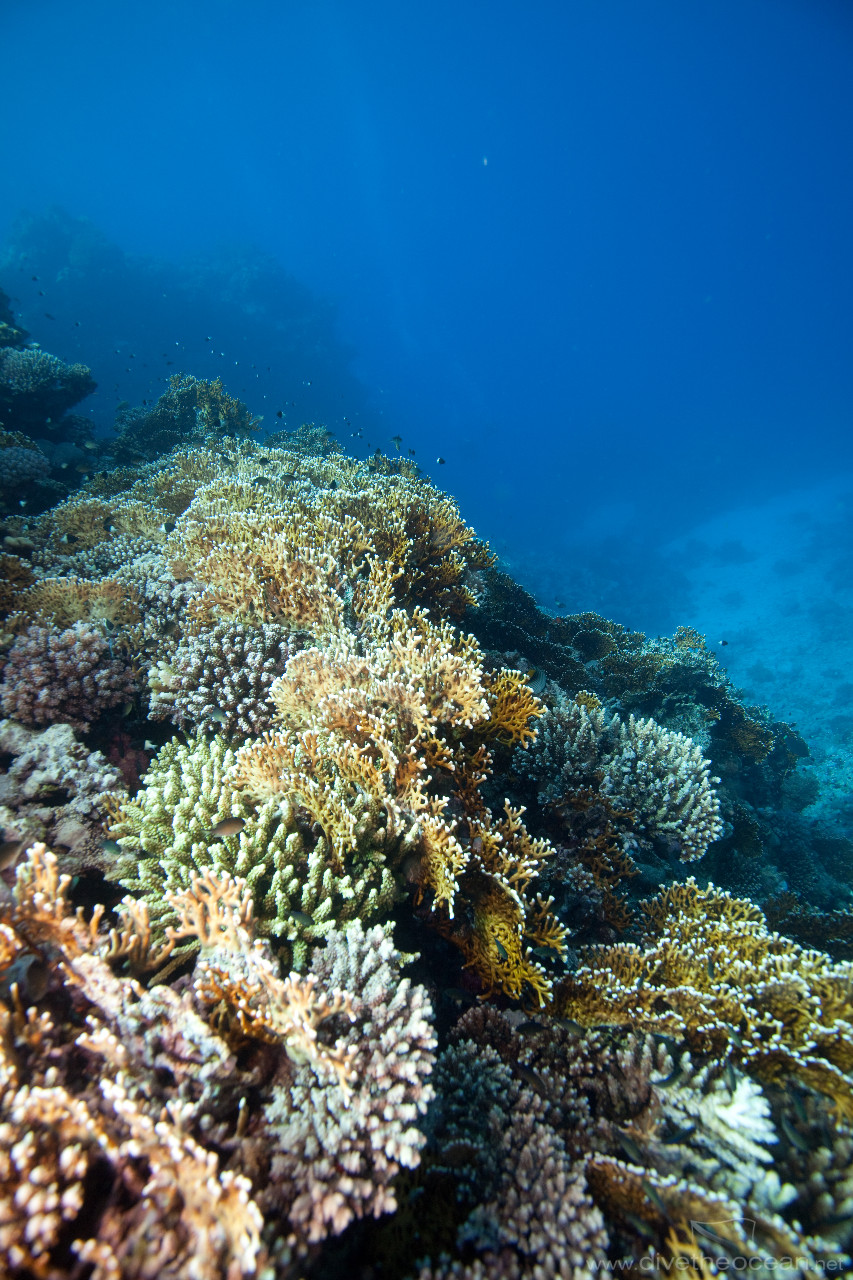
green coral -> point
(166, 835)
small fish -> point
(9, 851)
(89, 444)
(794, 1136)
(411, 453)
(279, 414)
(629, 1146)
(503, 954)
(397, 440)
(287, 476)
(680, 1135)
(170, 628)
(219, 716)
(569, 1024)
(228, 827)
(127, 708)
(76, 324)
(440, 461)
(731, 1078)
(109, 624)
(48, 316)
(655, 1197)
(529, 1028)
(261, 479)
(711, 968)
(458, 1153)
(82, 468)
(109, 524)
(458, 996)
(535, 1081)
(168, 526)
(303, 918)
(642, 1228)
(735, 1037)
(148, 745)
(112, 847)
(673, 1078)
(38, 977)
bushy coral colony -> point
(344, 922)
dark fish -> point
(303, 918)
(655, 1197)
(680, 1135)
(731, 1079)
(569, 1024)
(38, 976)
(109, 624)
(48, 316)
(261, 479)
(112, 847)
(168, 526)
(82, 468)
(279, 414)
(76, 324)
(794, 1136)
(711, 968)
(503, 954)
(724, 642)
(529, 1028)
(9, 851)
(440, 461)
(109, 524)
(287, 476)
(735, 1037)
(629, 1146)
(458, 996)
(458, 1153)
(534, 1080)
(228, 827)
(397, 440)
(411, 453)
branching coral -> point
(711, 972)
(168, 834)
(341, 1149)
(657, 776)
(221, 678)
(70, 676)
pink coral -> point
(63, 676)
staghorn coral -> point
(167, 835)
(221, 678)
(711, 972)
(53, 789)
(68, 676)
(656, 776)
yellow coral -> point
(713, 974)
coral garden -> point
(345, 927)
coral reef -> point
(225, 1072)
(68, 676)
(221, 678)
(53, 789)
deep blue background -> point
(596, 255)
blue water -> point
(596, 256)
